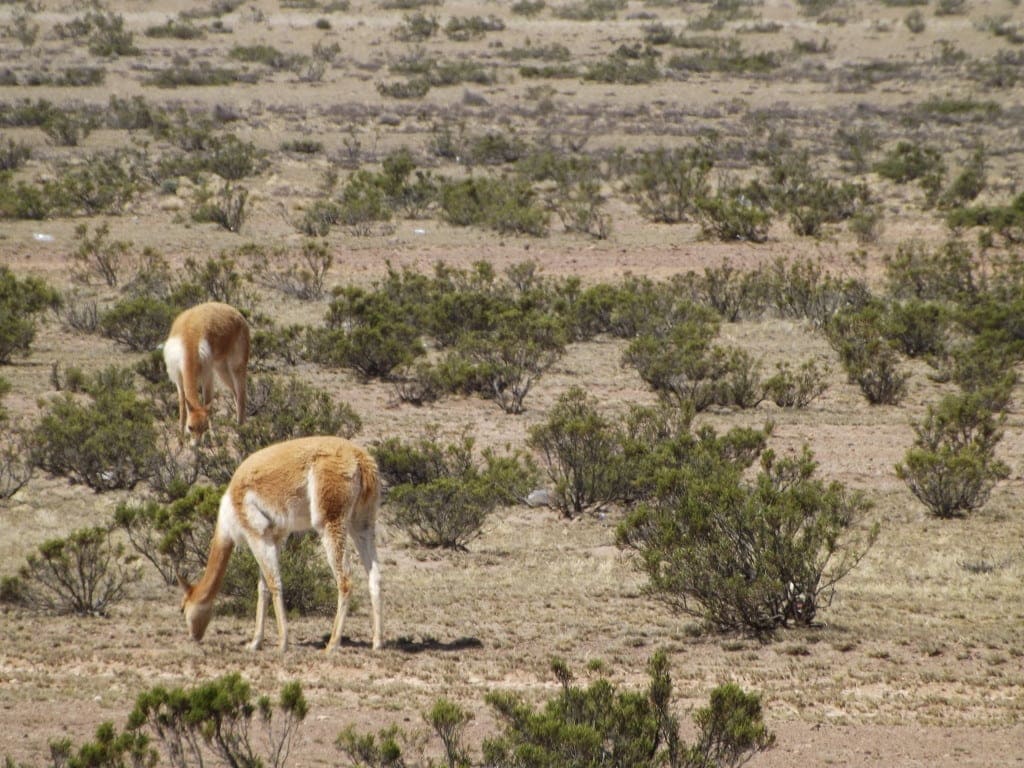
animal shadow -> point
(406, 644)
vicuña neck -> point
(209, 585)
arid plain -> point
(917, 662)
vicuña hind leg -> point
(337, 557)
(367, 546)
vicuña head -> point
(206, 339)
(327, 484)
(197, 614)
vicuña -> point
(327, 484)
(206, 338)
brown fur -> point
(225, 331)
(325, 483)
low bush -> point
(868, 355)
(800, 537)
(214, 722)
(99, 255)
(684, 367)
(15, 467)
(1006, 220)
(285, 409)
(908, 161)
(667, 184)
(22, 300)
(367, 332)
(796, 389)
(174, 537)
(730, 214)
(951, 467)
(580, 452)
(226, 208)
(84, 574)
(106, 442)
(465, 28)
(802, 289)
(139, 324)
(105, 183)
(440, 496)
(175, 29)
(14, 155)
(416, 27)
(945, 273)
(299, 274)
(511, 358)
(506, 206)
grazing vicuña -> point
(206, 338)
(327, 484)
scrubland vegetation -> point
(415, 205)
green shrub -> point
(107, 443)
(951, 467)
(465, 28)
(21, 301)
(945, 273)
(683, 365)
(99, 255)
(226, 208)
(908, 161)
(214, 723)
(15, 466)
(919, 328)
(667, 184)
(282, 410)
(1007, 220)
(366, 332)
(625, 69)
(623, 311)
(318, 219)
(802, 289)
(105, 183)
(22, 200)
(14, 155)
(731, 215)
(180, 75)
(440, 496)
(506, 206)
(599, 725)
(968, 184)
(726, 56)
(139, 324)
(514, 355)
(83, 574)
(173, 537)
(589, 10)
(528, 8)
(175, 29)
(789, 389)
(798, 537)
(579, 449)
(299, 274)
(264, 54)
(733, 294)
(307, 581)
(987, 368)
(416, 27)
(867, 354)
(413, 88)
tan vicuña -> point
(327, 484)
(208, 338)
